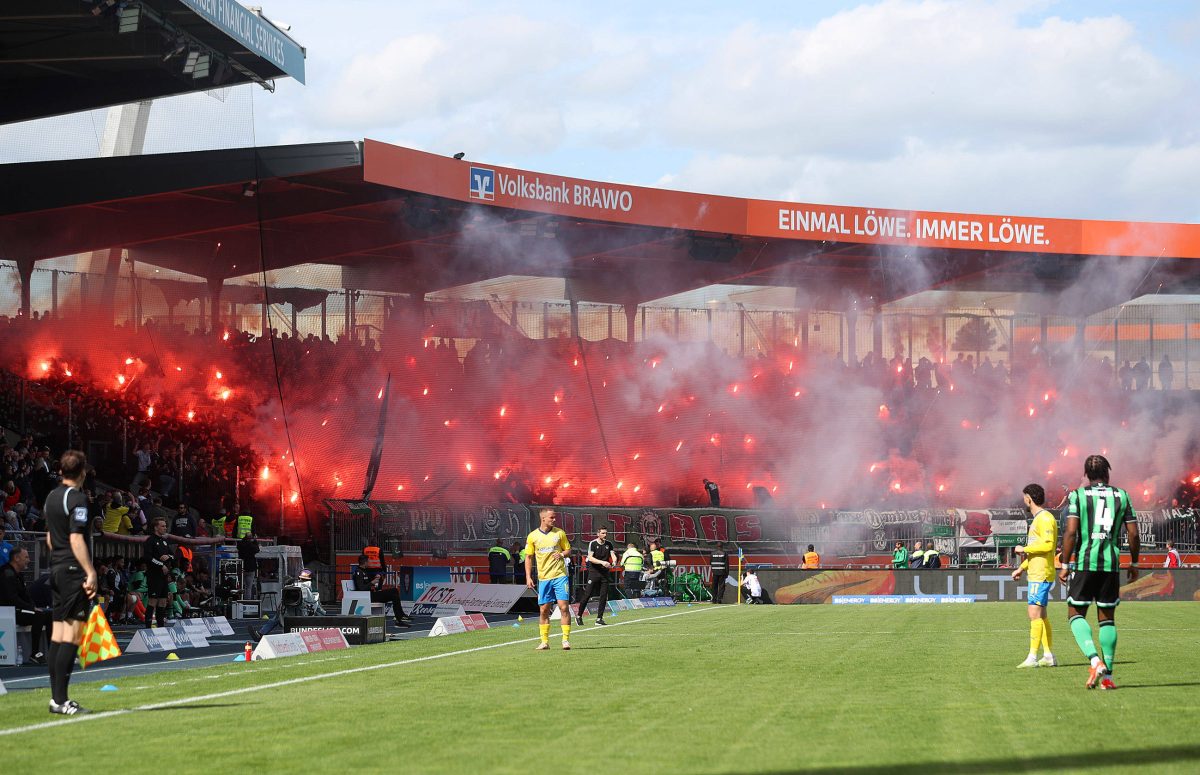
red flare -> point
(547, 480)
(679, 446)
(966, 424)
(636, 455)
(503, 409)
(324, 422)
(45, 366)
(225, 338)
(265, 474)
(595, 490)
(468, 466)
(129, 361)
(296, 496)
(191, 415)
(120, 379)
(380, 394)
(225, 394)
(884, 413)
(1031, 411)
(638, 488)
(619, 484)
(425, 392)
(150, 411)
(220, 375)
(941, 488)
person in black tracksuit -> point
(158, 556)
(371, 580)
(601, 559)
(718, 563)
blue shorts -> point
(554, 589)
(1039, 592)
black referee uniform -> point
(66, 513)
(598, 578)
(153, 551)
(718, 563)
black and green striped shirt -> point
(1102, 511)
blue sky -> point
(1070, 109)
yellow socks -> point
(1047, 638)
(566, 628)
(1036, 629)
(544, 631)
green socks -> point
(1108, 643)
(1083, 636)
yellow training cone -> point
(172, 656)
(520, 618)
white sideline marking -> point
(308, 678)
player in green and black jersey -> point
(1095, 514)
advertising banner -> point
(291, 644)
(164, 639)
(8, 635)
(453, 625)
(791, 587)
(358, 630)
(483, 598)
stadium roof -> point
(64, 56)
(407, 221)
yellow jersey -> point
(542, 546)
(1040, 546)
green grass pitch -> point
(701, 689)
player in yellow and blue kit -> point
(1039, 563)
(549, 545)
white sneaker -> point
(1030, 661)
(543, 646)
(566, 645)
(1048, 660)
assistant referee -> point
(72, 576)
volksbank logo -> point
(483, 184)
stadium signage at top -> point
(441, 176)
(483, 184)
(256, 33)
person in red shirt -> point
(1172, 560)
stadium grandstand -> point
(372, 372)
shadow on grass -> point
(1083, 760)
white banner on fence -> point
(165, 639)
(436, 610)
(482, 598)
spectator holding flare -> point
(1095, 514)
(1039, 563)
(549, 545)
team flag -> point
(98, 643)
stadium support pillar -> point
(112, 275)
(215, 284)
(25, 270)
(631, 310)
(802, 324)
(574, 319)
(851, 337)
(877, 331)
(54, 293)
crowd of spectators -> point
(215, 396)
